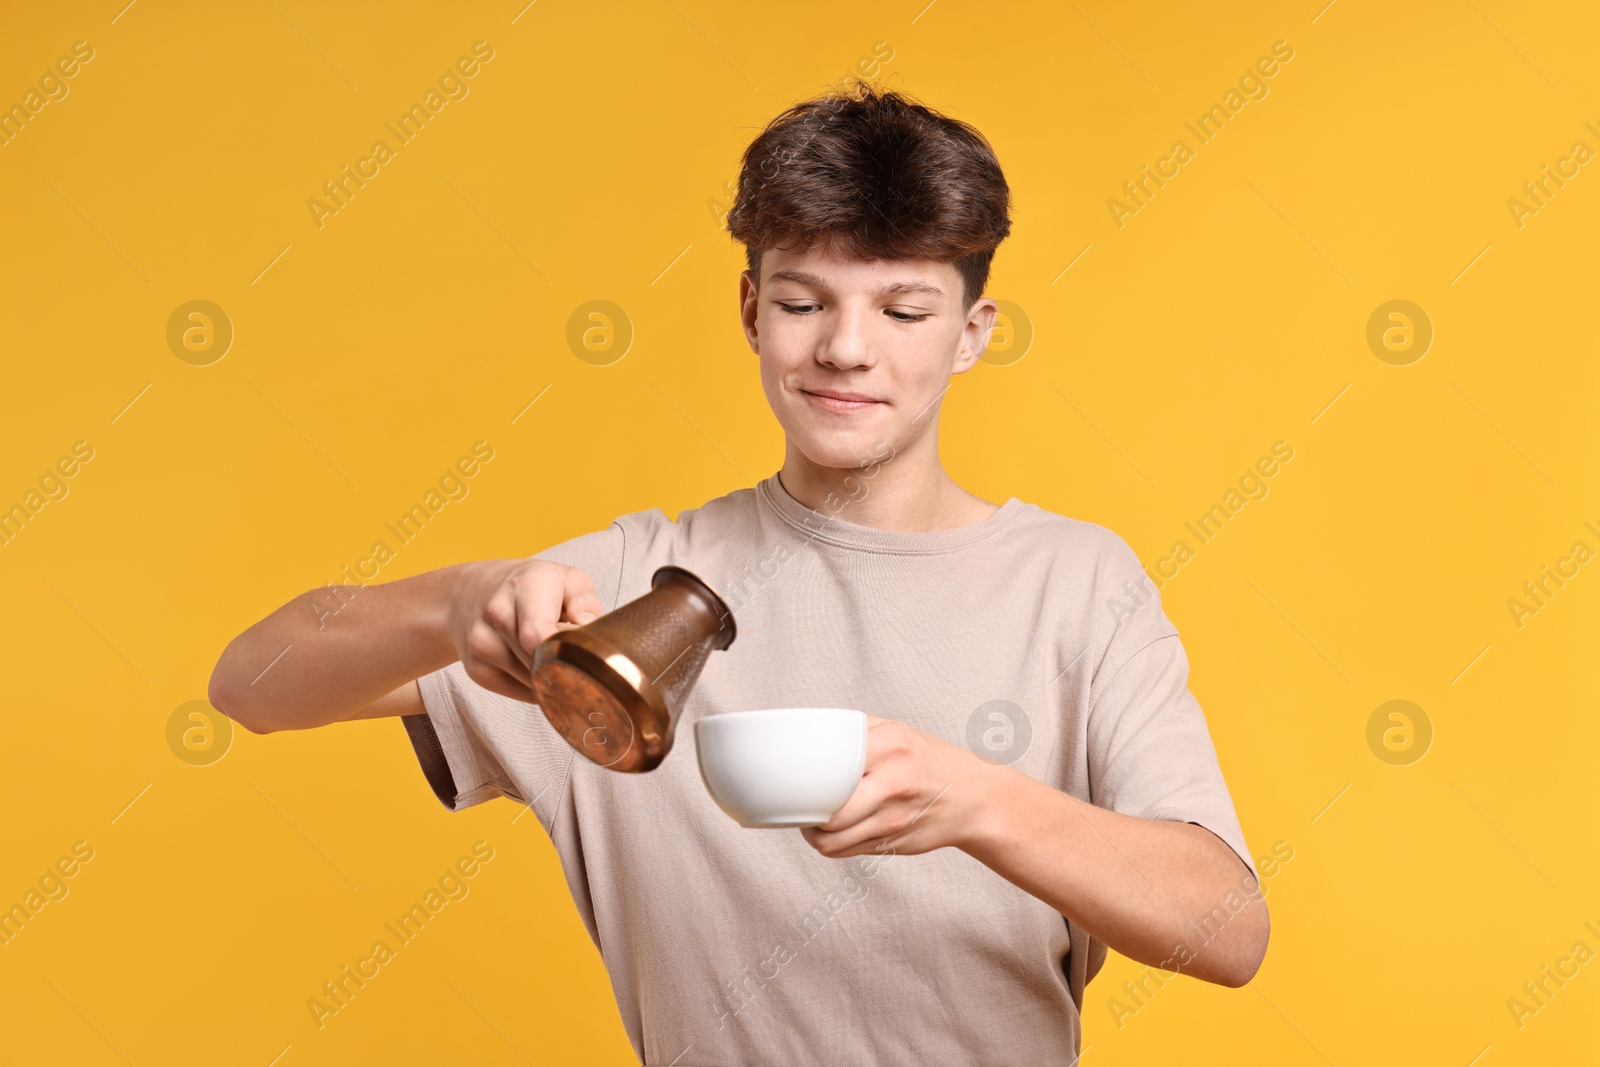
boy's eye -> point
(806, 309)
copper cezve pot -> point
(615, 686)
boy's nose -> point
(845, 346)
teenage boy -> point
(1040, 783)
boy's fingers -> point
(490, 646)
(582, 602)
(840, 841)
(494, 678)
(494, 635)
(500, 615)
(538, 608)
(862, 803)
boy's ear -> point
(975, 336)
(748, 307)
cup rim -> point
(776, 713)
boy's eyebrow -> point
(816, 282)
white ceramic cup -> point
(782, 766)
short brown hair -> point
(883, 175)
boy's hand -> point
(916, 794)
(501, 609)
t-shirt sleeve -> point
(474, 744)
(1150, 752)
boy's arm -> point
(1166, 893)
(346, 652)
(406, 700)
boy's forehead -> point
(828, 268)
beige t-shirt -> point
(1033, 638)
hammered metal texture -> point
(667, 635)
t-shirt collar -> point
(830, 527)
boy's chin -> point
(841, 451)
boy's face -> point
(892, 331)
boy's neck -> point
(908, 492)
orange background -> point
(589, 160)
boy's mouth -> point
(839, 400)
